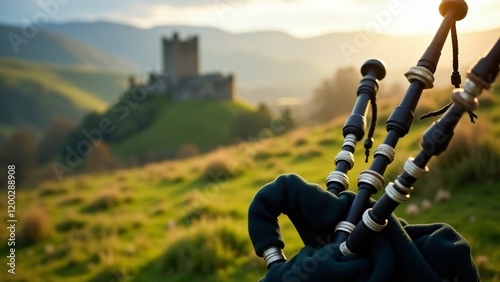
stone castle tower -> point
(181, 77)
(180, 58)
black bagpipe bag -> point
(401, 252)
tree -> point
(248, 125)
(287, 119)
(100, 159)
(335, 96)
(21, 150)
(53, 138)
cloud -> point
(299, 17)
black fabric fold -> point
(401, 252)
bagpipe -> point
(349, 236)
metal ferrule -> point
(345, 226)
(371, 177)
(345, 156)
(467, 98)
(273, 254)
(386, 150)
(421, 73)
(351, 141)
(402, 187)
(472, 88)
(338, 176)
(412, 169)
(344, 250)
(395, 195)
(370, 223)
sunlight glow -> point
(300, 18)
(303, 18)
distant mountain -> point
(260, 75)
(269, 65)
(49, 47)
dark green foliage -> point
(101, 159)
(21, 150)
(300, 142)
(482, 164)
(35, 227)
(70, 224)
(266, 154)
(133, 113)
(52, 191)
(473, 156)
(53, 137)
(110, 274)
(195, 214)
(89, 122)
(72, 201)
(287, 120)
(204, 251)
(105, 201)
(251, 126)
(308, 153)
(219, 167)
(327, 141)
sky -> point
(301, 18)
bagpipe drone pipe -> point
(350, 237)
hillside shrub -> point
(51, 189)
(53, 137)
(106, 200)
(472, 156)
(113, 273)
(219, 166)
(251, 126)
(204, 249)
(35, 226)
(300, 141)
(101, 159)
(72, 200)
(187, 150)
(21, 150)
(71, 223)
(308, 153)
(327, 141)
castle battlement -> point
(181, 77)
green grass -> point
(168, 223)
(49, 47)
(205, 124)
(17, 72)
(34, 93)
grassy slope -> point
(87, 89)
(182, 123)
(129, 239)
(53, 48)
(18, 71)
(104, 85)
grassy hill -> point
(32, 93)
(53, 48)
(204, 124)
(169, 222)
